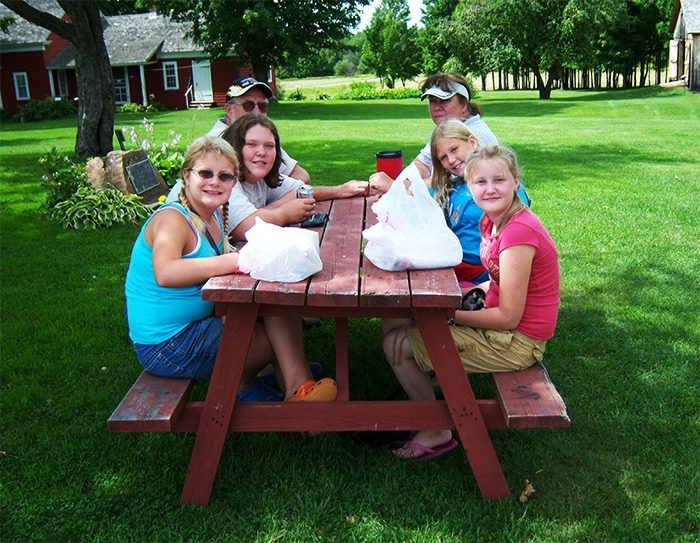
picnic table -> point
(349, 286)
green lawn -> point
(615, 176)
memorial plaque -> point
(142, 175)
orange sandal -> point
(323, 390)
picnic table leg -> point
(218, 406)
(341, 359)
(461, 402)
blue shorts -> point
(189, 354)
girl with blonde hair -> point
(184, 243)
(522, 296)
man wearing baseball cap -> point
(246, 95)
(449, 98)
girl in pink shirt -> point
(522, 296)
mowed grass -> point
(615, 176)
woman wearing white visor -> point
(449, 98)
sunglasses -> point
(224, 177)
(249, 105)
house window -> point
(62, 83)
(170, 80)
(21, 85)
(121, 85)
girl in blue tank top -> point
(184, 243)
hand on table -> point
(380, 181)
(353, 188)
(298, 209)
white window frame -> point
(17, 78)
(172, 65)
(125, 88)
(62, 82)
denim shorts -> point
(189, 354)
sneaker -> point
(324, 390)
(316, 369)
(310, 322)
(259, 392)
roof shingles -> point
(130, 39)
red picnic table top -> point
(349, 286)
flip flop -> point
(426, 452)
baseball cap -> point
(244, 84)
(455, 88)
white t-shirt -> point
(476, 125)
(288, 163)
(247, 198)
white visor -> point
(457, 88)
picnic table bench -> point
(348, 287)
(524, 399)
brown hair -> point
(503, 153)
(235, 135)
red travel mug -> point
(389, 162)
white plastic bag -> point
(280, 254)
(411, 232)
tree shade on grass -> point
(613, 175)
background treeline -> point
(541, 44)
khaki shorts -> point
(485, 351)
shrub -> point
(323, 96)
(49, 108)
(129, 108)
(89, 209)
(360, 90)
(368, 91)
(345, 67)
(403, 92)
(296, 96)
(62, 178)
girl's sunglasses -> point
(224, 177)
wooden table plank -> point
(435, 288)
(237, 287)
(337, 284)
(380, 288)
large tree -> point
(391, 49)
(433, 37)
(92, 67)
(260, 32)
(540, 35)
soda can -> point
(305, 191)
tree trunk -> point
(260, 71)
(92, 69)
(544, 89)
(95, 83)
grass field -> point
(615, 176)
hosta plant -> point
(89, 209)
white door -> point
(201, 80)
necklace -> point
(207, 233)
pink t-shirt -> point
(542, 303)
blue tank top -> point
(157, 313)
